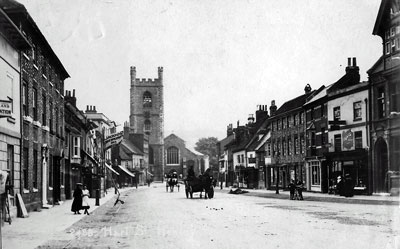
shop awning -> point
(126, 171)
(91, 158)
(150, 174)
(112, 170)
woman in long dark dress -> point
(77, 203)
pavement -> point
(43, 225)
(314, 196)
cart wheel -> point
(191, 192)
(187, 193)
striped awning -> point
(126, 171)
(112, 170)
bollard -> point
(97, 197)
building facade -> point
(317, 142)
(385, 102)
(288, 141)
(12, 41)
(42, 147)
(347, 110)
(147, 117)
(180, 158)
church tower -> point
(147, 117)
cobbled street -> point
(153, 218)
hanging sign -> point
(348, 139)
(5, 108)
(113, 139)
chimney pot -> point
(354, 62)
(73, 93)
(349, 62)
(87, 107)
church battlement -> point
(135, 80)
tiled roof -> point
(295, 103)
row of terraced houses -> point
(48, 145)
(346, 128)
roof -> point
(130, 148)
(377, 67)
(226, 140)
(18, 11)
(321, 93)
(173, 136)
(11, 32)
(381, 19)
(195, 152)
(295, 103)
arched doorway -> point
(381, 166)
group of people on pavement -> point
(81, 199)
(296, 189)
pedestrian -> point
(77, 203)
(85, 199)
(292, 188)
(299, 187)
(348, 186)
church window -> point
(172, 155)
(147, 99)
(147, 125)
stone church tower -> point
(147, 117)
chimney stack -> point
(272, 108)
(353, 71)
(307, 88)
(160, 72)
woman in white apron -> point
(85, 199)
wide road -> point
(153, 218)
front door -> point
(381, 166)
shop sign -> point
(5, 108)
(348, 139)
(113, 139)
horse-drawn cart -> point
(199, 184)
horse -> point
(172, 180)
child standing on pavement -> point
(85, 199)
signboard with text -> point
(5, 108)
(113, 139)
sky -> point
(221, 58)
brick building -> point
(385, 102)
(147, 117)
(317, 142)
(288, 141)
(43, 75)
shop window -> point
(315, 173)
(395, 98)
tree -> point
(208, 146)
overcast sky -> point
(221, 58)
